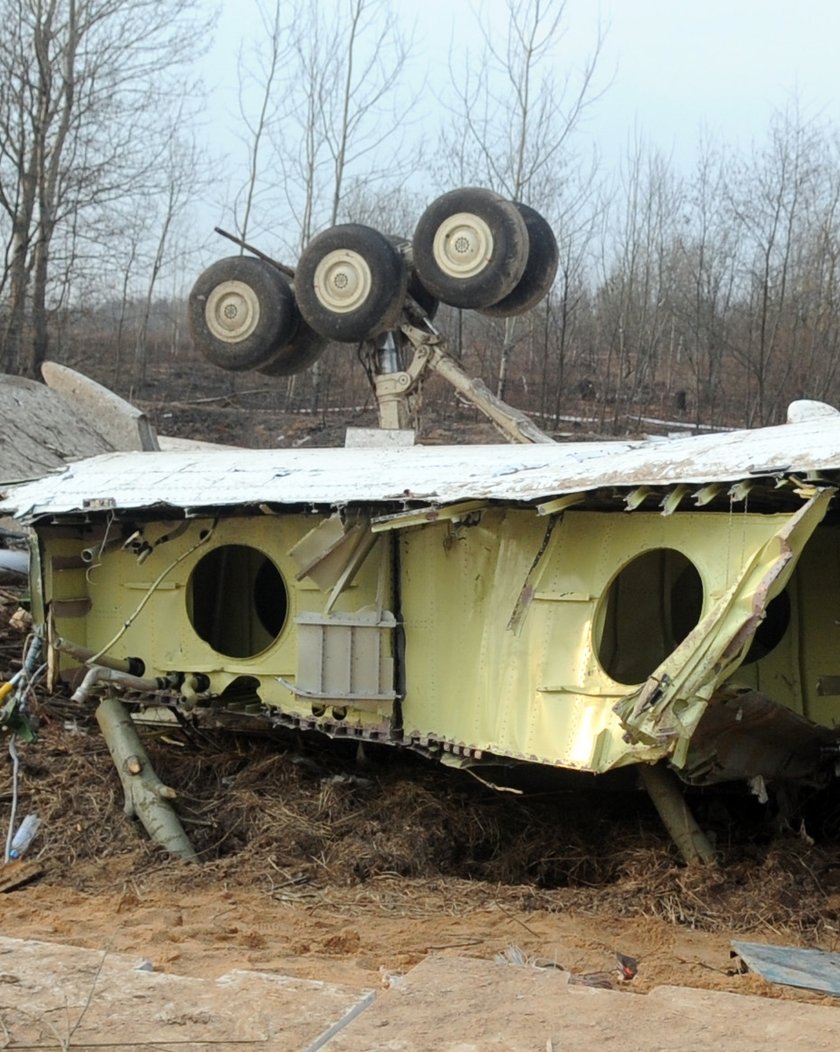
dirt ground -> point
(320, 869)
(320, 863)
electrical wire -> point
(13, 815)
(28, 686)
(24, 681)
(203, 539)
(109, 522)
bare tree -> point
(260, 76)
(86, 86)
(771, 196)
(570, 303)
(636, 296)
(359, 111)
(330, 108)
(705, 268)
(179, 183)
(817, 353)
(516, 116)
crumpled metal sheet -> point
(750, 735)
(666, 710)
(792, 966)
(432, 474)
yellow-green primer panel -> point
(489, 670)
(517, 626)
(802, 670)
(152, 595)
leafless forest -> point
(708, 297)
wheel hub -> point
(232, 312)
(342, 281)
(463, 245)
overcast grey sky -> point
(670, 70)
(682, 65)
(678, 65)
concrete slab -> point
(173, 444)
(51, 994)
(62, 996)
(461, 1005)
(379, 438)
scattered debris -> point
(26, 833)
(791, 965)
(388, 979)
(480, 605)
(513, 955)
(628, 966)
(596, 980)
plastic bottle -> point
(24, 836)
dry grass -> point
(299, 820)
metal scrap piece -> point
(792, 966)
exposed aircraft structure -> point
(585, 606)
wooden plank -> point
(16, 874)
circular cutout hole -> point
(649, 608)
(237, 600)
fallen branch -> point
(145, 794)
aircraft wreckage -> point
(665, 603)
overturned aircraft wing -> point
(434, 474)
(580, 605)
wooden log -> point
(146, 796)
(667, 797)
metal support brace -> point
(394, 387)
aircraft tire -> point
(241, 309)
(350, 283)
(540, 269)
(303, 350)
(416, 289)
(422, 297)
(470, 247)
